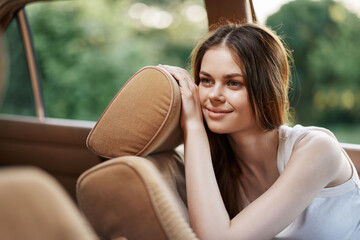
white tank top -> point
(335, 213)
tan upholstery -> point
(141, 193)
(142, 118)
(129, 196)
(34, 206)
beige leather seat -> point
(34, 206)
(140, 192)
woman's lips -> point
(215, 113)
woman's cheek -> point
(202, 95)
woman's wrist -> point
(194, 126)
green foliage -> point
(73, 64)
(346, 133)
(324, 37)
(16, 96)
(88, 50)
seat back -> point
(140, 192)
(34, 206)
(136, 197)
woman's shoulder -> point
(311, 144)
(297, 132)
(311, 139)
(317, 141)
(318, 148)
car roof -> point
(239, 10)
(8, 9)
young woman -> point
(248, 175)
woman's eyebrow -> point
(232, 75)
(205, 73)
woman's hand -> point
(191, 115)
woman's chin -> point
(217, 129)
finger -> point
(181, 75)
(192, 86)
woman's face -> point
(223, 95)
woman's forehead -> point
(220, 59)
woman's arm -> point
(313, 165)
(207, 212)
(206, 207)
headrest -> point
(142, 118)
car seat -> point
(139, 193)
(33, 205)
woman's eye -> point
(205, 81)
(234, 84)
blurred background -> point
(88, 49)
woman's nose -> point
(216, 95)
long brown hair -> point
(264, 61)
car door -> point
(27, 136)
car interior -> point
(119, 178)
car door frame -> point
(54, 145)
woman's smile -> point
(216, 113)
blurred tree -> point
(324, 37)
(16, 96)
(73, 62)
(87, 50)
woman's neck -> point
(256, 151)
(254, 146)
